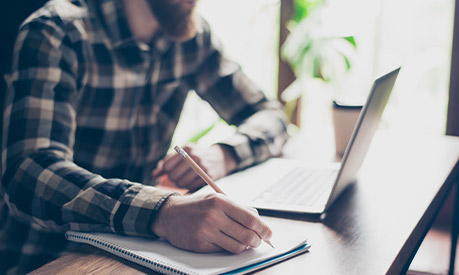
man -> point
(94, 95)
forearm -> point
(260, 136)
(262, 124)
(54, 194)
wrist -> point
(159, 226)
(229, 158)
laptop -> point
(295, 186)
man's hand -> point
(209, 223)
(216, 161)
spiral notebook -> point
(160, 256)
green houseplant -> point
(314, 51)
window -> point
(414, 34)
(418, 35)
(249, 34)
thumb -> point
(253, 210)
(159, 169)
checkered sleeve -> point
(261, 131)
(41, 184)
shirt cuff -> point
(239, 145)
(137, 210)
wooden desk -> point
(375, 227)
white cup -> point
(344, 118)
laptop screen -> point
(364, 131)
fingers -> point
(196, 184)
(159, 169)
(207, 223)
(229, 244)
(170, 163)
(181, 174)
(249, 218)
(184, 176)
(212, 240)
(240, 223)
(243, 236)
(218, 229)
(178, 171)
(253, 209)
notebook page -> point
(162, 252)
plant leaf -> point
(302, 8)
(351, 40)
(317, 66)
(348, 62)
(199, 135)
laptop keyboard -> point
(301, 186)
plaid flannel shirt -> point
(89, 112)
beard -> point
(174, 19)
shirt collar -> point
(111, 16)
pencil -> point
(198, 169)
(207, 179)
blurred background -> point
(416, 35)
